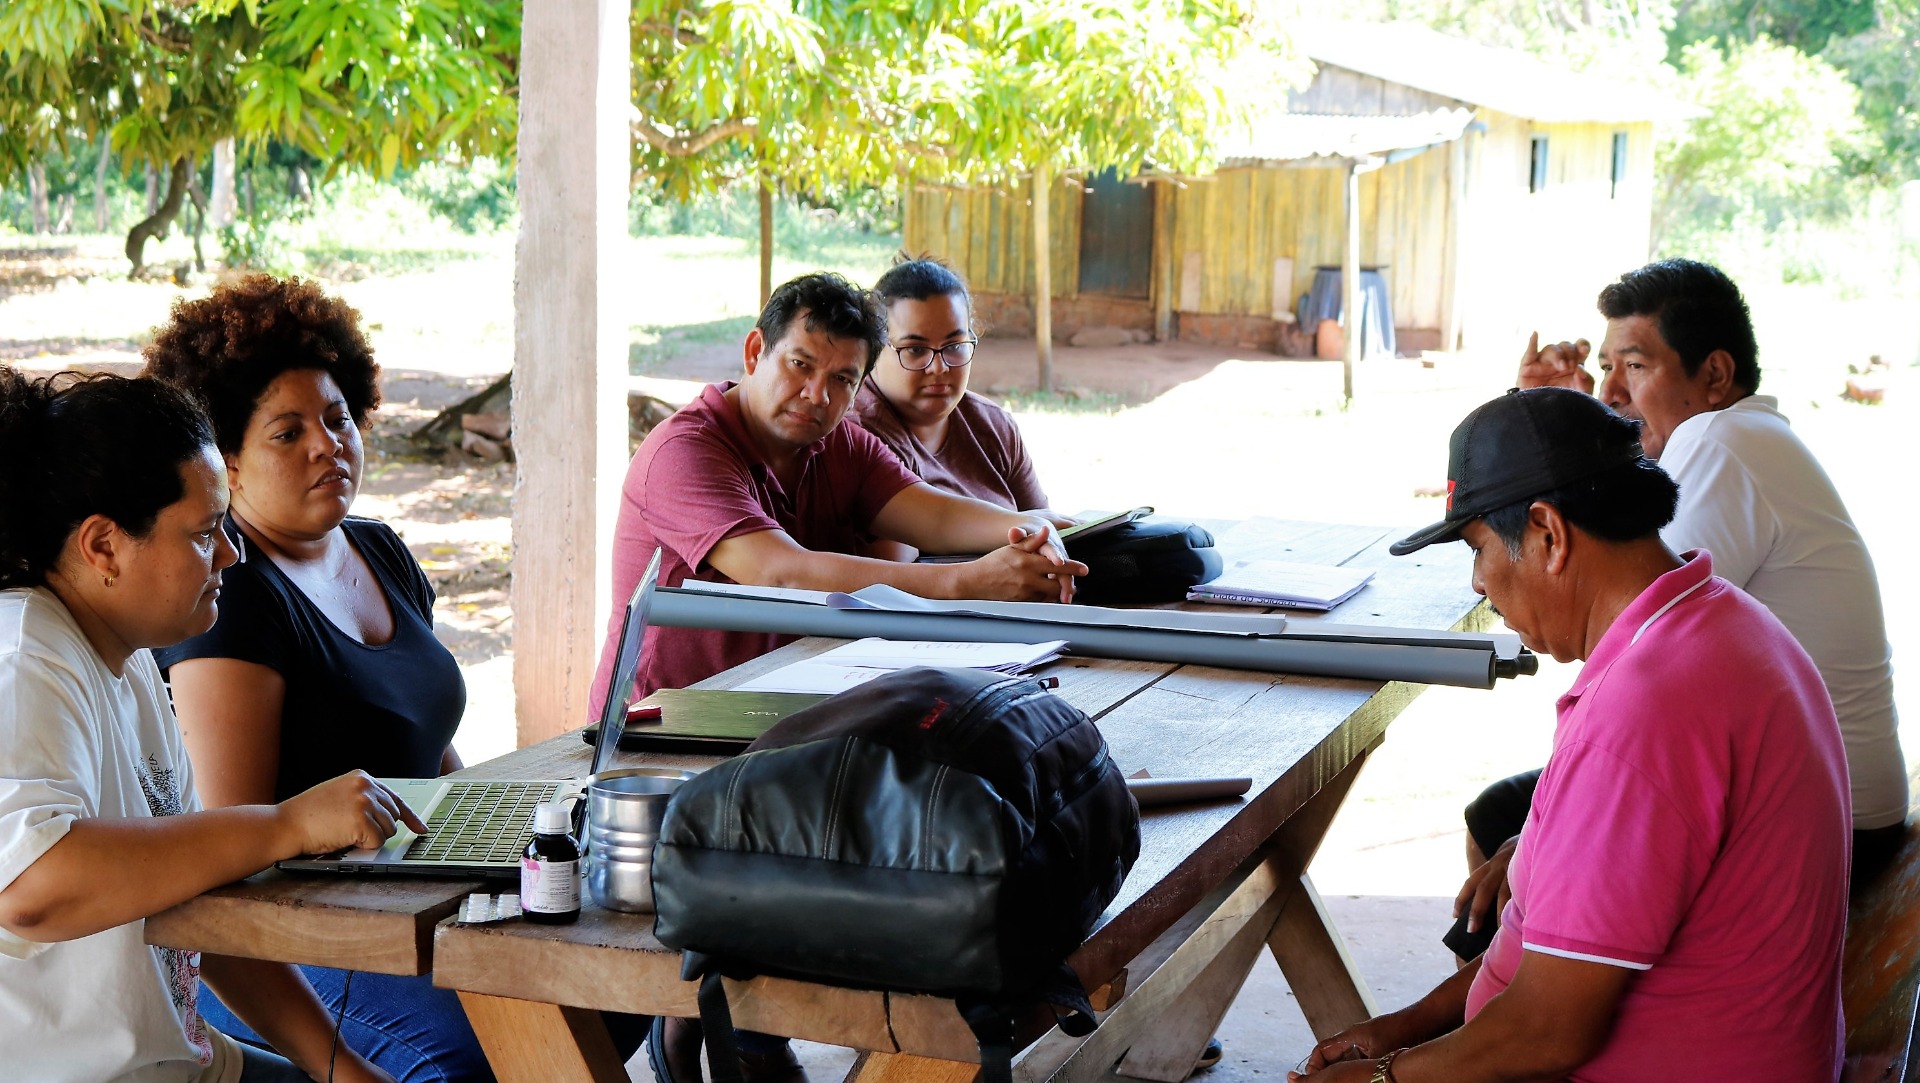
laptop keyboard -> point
(481, 823)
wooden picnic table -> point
(1215, 883)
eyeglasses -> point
(953, 355)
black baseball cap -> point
(1523, 444)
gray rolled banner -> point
(1435, 658)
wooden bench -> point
(1880, 973)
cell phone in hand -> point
(1470, 945)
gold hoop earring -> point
(107, 580)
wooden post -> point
(766, 241)
(1043, 274)
(1163, 236)
(1350, 283)
(570, 351)
(1456, 238)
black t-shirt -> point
(389, 710)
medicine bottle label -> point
(549, 887)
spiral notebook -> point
(1282, 583)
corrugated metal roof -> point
(1503, 79)
(1279, 137)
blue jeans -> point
(411, 1030)
(416, 1033)
(260, 1066)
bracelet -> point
(1383, 1068)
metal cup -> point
(624, 812)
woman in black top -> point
(323, 658)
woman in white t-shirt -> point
(110, 544)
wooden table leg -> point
(1208, 964)
(1318, 968)
(1161, 1027)
(530, 1042)
(1171, 1047)
(907, 1068)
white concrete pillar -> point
(570, 351)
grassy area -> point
(1072, 401)
(653, 347)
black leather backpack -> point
(944, 831)
(1143, 562)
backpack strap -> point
(716, 1018)
(992, 1026)
(992, 1020)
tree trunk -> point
(63, 218)
(766, 242)
(299, 185)
(100, 184)
(1043, 274)
(155, 224)
(37, 198)
(199, 222)
(220, 212)
(153, 190)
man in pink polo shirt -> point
(756, 481)
(1679, 890)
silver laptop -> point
(480, 827)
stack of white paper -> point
(861, 661)
(1278, 582)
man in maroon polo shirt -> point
(756, 481)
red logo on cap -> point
(1449, 494)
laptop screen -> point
(633, 630)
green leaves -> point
(1776, 126)
(372, 84)
(967, 91)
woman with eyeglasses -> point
(916, 400)
(110, 547)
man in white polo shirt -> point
(1680, 357)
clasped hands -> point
(1037, 563)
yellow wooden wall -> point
(1527, 260)
(1241, 221)
(987, 235)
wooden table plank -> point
(613, 962)
(383, 925)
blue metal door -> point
(1116, 237)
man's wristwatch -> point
(1383, 1068)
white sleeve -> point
(1722, 511)
(143, 667)
(49, 768)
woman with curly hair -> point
(324, 656)
(110, 546)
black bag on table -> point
(943, 831)
(1144, 562)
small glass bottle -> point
(550, 869)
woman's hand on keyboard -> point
(351, 811)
